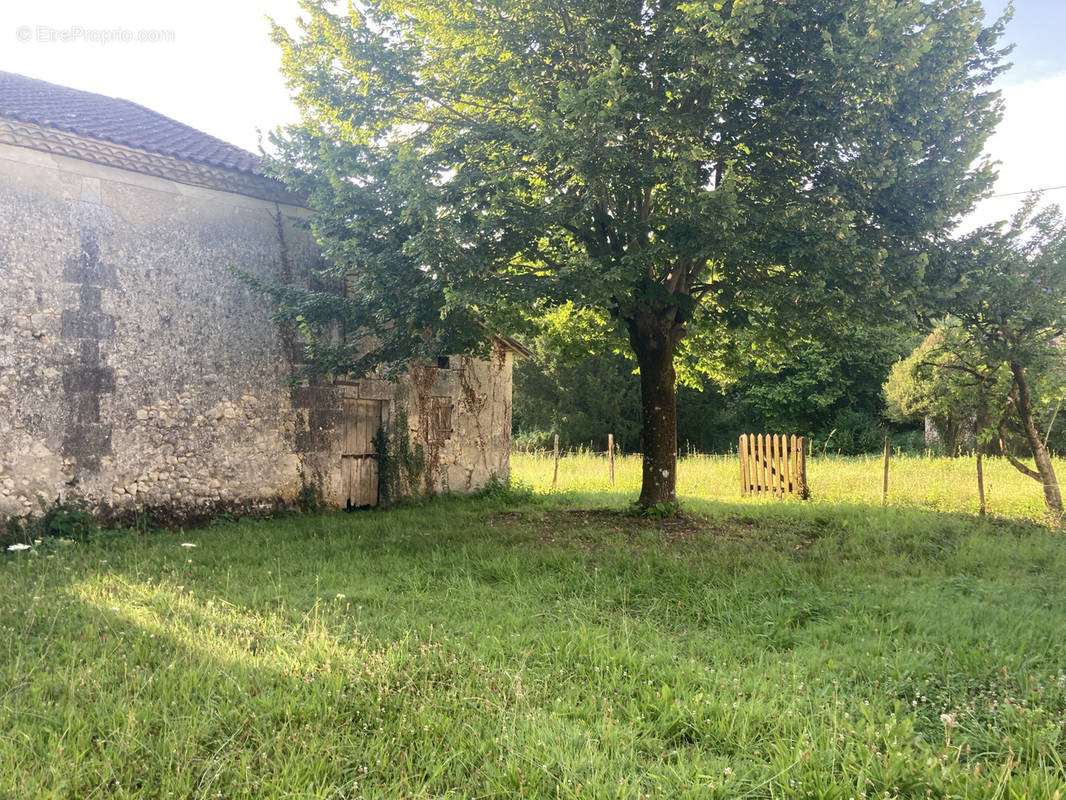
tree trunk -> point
(654, 337)
(1044, 467)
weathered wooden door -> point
(359, 458)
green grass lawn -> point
(518, 646)
(923, 482)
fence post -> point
(555, 470)
(884, 480)
(805, 491)
(610, 455)
(980, 486)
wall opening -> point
(359, 456)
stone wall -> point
(138, 370)
(479, 444)
(473, 450)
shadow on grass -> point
(500, 648)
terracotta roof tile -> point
(98, 116)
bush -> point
(532, 441)
(851, 433)
(509, 491)
(63, 519)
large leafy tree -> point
(687, 168)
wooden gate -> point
(773, 464)
(359, 458)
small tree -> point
(940, 382)
(999, 358)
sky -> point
(211, 64)
(1028, 142)
(207, 63)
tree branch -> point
(1018, 465)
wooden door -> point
(359, 458)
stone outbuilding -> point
(137, 370)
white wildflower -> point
(19, 546)
(187, 544)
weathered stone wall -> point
(475, 450)
(133, 364)
(136, 368)
(479, 392)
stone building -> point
(137, 370)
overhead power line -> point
(1027, 191)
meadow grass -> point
(519, 645)
(915, 481)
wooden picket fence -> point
(773, 464)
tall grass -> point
(922, 482)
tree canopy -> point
(710, 176)
(943, 382)
(579, 385)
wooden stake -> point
(775, 458)
(793, 467)
(1047, 434)
(762, 464)
(775, 465)
(884, 480)
(980, 486)
(784, 464)
(787, 447)
(742, 450)
(753, 466)
(555, 471)
(610, 455)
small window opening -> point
(439, 410)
